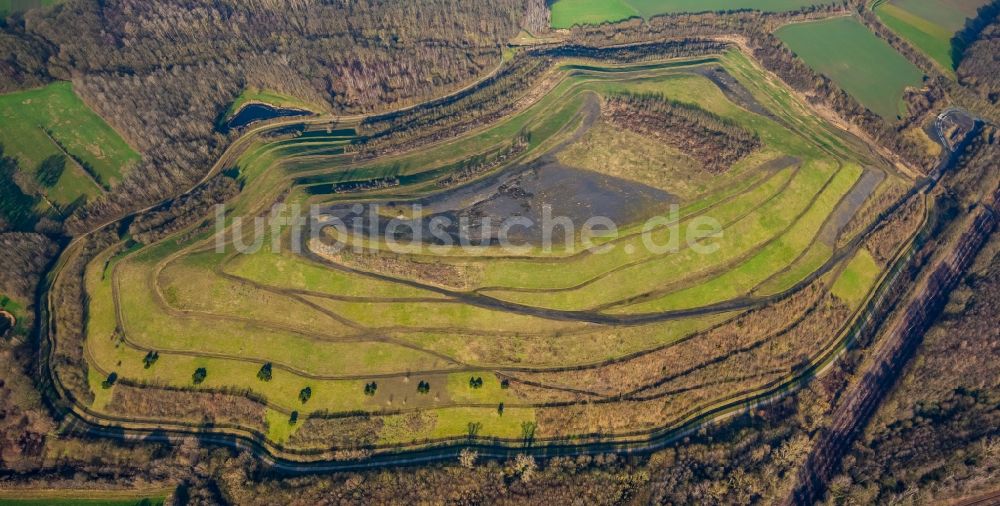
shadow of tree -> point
(970, 32)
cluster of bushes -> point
(423, 387)
(712, 140)
(371, 388)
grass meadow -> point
(856, 278)
(566, 13)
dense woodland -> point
(16, 207)
(24, 62)
(26, 256)
(986, 16)
(486, 102)
(978, 69)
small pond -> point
(252, 113)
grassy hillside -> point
(859, 62)
(854, 281)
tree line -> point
(978, 68)
(162, 221)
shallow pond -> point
(252, 113)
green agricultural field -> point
(949, 14)
(929, 24)
(858, 61)
(566, 13)
(419, 345)
(66, 497)
(52, 121)
(650, 8)
(82, 502)
(8, 7)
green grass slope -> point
(654, 7)
(857, 278)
